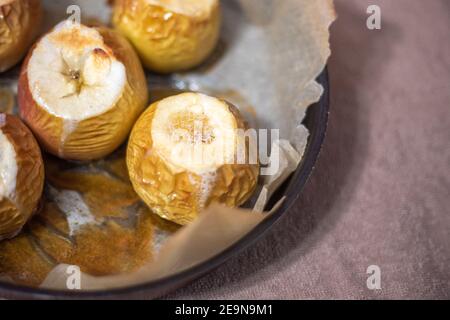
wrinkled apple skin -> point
(96, 137)
(15, 212)
(175, 196)
(167, 41)
(20, 22)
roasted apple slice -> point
(80, 91)
(21, 175)
(20, 22)
(169, 35)
(190, 150)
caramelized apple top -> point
(194, 132)
(192, 8)
(73, 74)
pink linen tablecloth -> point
(380, 194)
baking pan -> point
(316, 121)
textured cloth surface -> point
(380, 194)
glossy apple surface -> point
(169, 35)
(20, 22)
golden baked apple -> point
(20, 21)
(169, 35)
(80, 91)
(183, 154)
(21, 175)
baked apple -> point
(169, 35)
(80, 91)
(21, 175)
(19, 24)
(183, 154)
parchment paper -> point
(269, 57)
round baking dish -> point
(316, 121)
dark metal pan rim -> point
(316, 121)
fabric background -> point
(380, 194)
